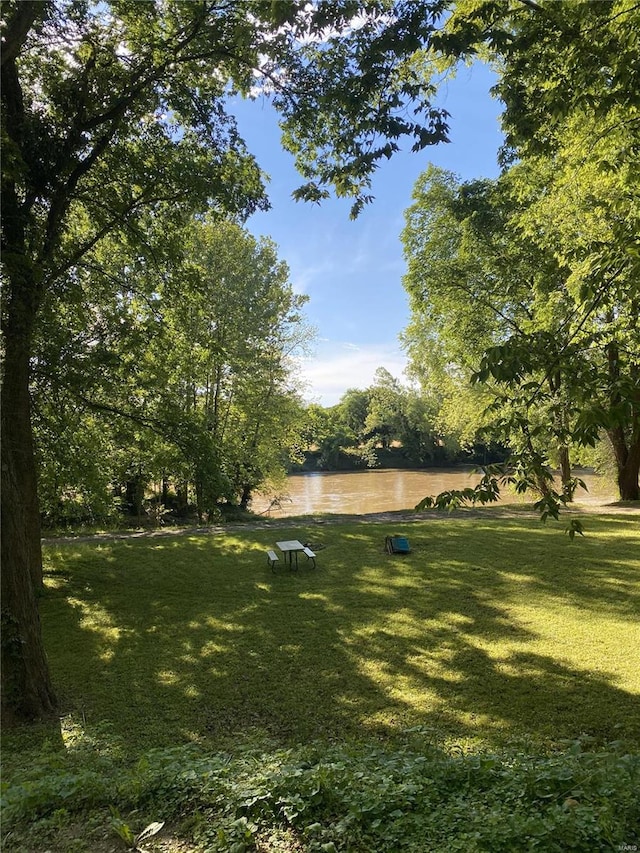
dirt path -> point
(397, 516)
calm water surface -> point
(360, 492)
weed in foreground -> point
(345, 797)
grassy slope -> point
(491, 630)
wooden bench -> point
(272, 559)
(309, 555)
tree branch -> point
(588, 312)
(118, 219)
(533, 5)
(17, 29)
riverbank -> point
(406, 516)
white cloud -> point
(304, 277)
(342, 365)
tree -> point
(569, 82)
(353, 409)
(477, 287)
(114, 110)
(198, 348)
(232, 327)
(580, 205)
(385, 408)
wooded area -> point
(148, 337)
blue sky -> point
(352, 270)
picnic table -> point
(291, 548)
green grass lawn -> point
(491, 632)
(488, 631)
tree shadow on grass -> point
(196, 639)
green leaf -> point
(574, 526)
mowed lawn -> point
(491, 631)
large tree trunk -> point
(27, 693)
(627, 463)
(26, 686)
(247, 491)
(625, 442)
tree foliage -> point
(497, 307)
(187, 382)
(389, 421)
(568, 195)
(116, 112)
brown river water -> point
(360, 492)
